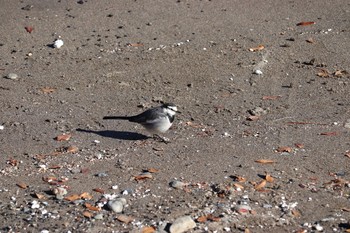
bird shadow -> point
(122, 135)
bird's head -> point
(170, 108)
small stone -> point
(101, 174)
(182, 224)
(98, 216)
(122, 200)
(341, 173)
(310, 40)
(60, 192)
(318, 227)
(243, 209)
(177, 184)
(117, 205)
(144, 175)
(347, 124)
(2, 127)
(328, 219)
(35, 204)
(124, 84)
(27, 7)
(12, 76)
(258, 72)
(258, 111)
(58, 44)
(128, 191)
(267, 206)
(285, 154)
(43, 212)
(75, 170)
(71, 88)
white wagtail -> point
(155, 120)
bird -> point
(155, 120)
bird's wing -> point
(148, 116)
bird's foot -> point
(161, 139)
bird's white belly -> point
(158, 126)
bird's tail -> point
(116, 118)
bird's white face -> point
(171, 110)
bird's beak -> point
(178, 112)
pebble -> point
(78, 202)
(101, 174)
(117, 205)
(60, 192)
(124, 84)
(258, 72)
(99, 156)
(347, 124)
(182, 224)
(98, 216)
(285, 154)
(258, 111)
(128, 191)
(146, 175)
(329, 219)
(35, 204)
(177, 184)
(267, 206)
(58, 43)
(341, 173)
(243, 209)
(318, 227)
(75, 170)
(27, 7)
(122, 200)
(12, 76)
(2, 127)
(43, 212)
(306, 224)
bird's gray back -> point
(149, 115)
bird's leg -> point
(160, 138)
